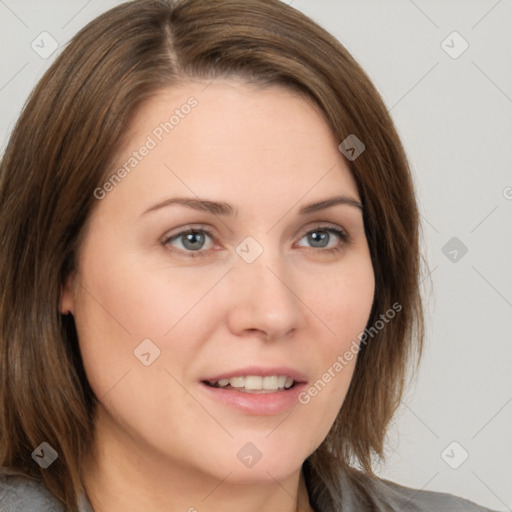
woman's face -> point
(211, 258)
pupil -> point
(316, 237)
(194, 240)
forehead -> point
(234, 142)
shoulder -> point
(399, 497)
(20, 494)
(349, 489)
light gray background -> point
(455, 119)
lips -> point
(256, 390)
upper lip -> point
(260, 371)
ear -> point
(67, 296)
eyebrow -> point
(222, 208)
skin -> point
(161, 443)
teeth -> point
(237, 382)
(258, 383)
(270, 382)
(253, 382)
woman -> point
(210, 265)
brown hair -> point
(61, 150)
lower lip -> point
(262, 404)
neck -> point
(124, 475)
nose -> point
(264, 300)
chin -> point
(260, 456)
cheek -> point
(127, 317)
(344, 308)
(121, 304)
(130, 301)
(346, 299)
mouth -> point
(256, 390)
(256, 384)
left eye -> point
(319, 238)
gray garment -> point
(18, 494)
(22, 495)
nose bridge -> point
(268, 277)
(265, 297)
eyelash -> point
(202, 253)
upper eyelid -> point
(187, 229)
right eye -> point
(190, 242)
